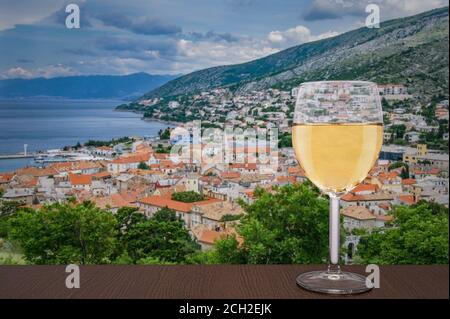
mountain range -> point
(412, 51)
(127, 87)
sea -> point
(45, 124)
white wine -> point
(336, 157)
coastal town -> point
(140, 172)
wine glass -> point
(337, 136)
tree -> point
(161, 237)
(405, 172)
(287, 226)
(187, 197)
(397, 165)
(64, 234)
(405, 169)
(419, 235)
(285, 140)
(143, 165)
(8, 208)
(126, 218)
(164, 134)
(398, 130)
(165, 215)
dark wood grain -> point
(225, 281)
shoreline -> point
(151, 119)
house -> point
(115, 201)
(422, 156)
(441, 113)
(206, 236)
(365, 189)
(391, 182)
(367, 201)
(211, 214)
(244, 167)
(124, 181)
(190, 182)
(79, 167)
(23, 195)
(169, 191)
(106, 151)
(248, 196)
(80, 181)
(412, 137)
(124, 163)
(358, 217)
(405, 199)
(151, 204)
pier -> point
(25, 154)
(17, 156)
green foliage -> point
(164, 134)
(162, 150)
(397, 165)
(8, 208)
(230, 218)
(63, 234)
(154, 261)
(187, 197)
(161, 238)
(165, 215)
(385, 105)
(419, 235)
(429, 112)
(143, 165)
(405, 169)
(434, 139)
(112, 142)
(285, 140)
(288, 226)
(398, 130)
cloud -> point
(211, 36)
(17, 72)
(200, 54)
(335, 9)
(13, 12)
(49, 71)
(59, 16)
(297, 35)
(138, 25)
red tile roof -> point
(230, 175)
(365, 188)
(101, 175)
(79, 179)
(408, 181)
(137, 158)
(163, 201)
(407, 199)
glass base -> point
(337, 283)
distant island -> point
(125, 87)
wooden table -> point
(223, 281)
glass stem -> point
(333, 266)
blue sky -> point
(170, 36)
